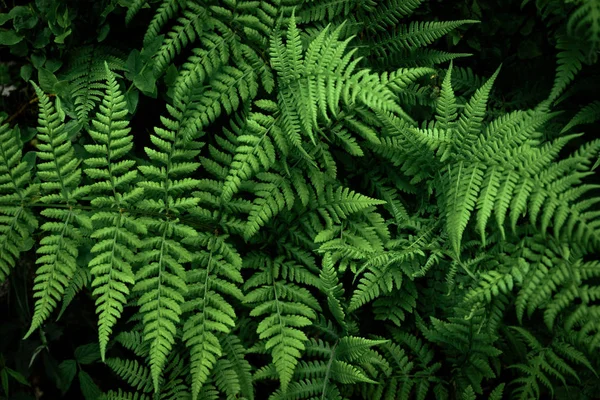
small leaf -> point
(4, 18)
(29, 159)
(87, 353)
(8, 38)
(4, 376)
(89, 389)
(53, 65)
(132, 98)
(46, 80)
(42, 38)
(17, 376)
(26, 71)
(27, 244)
(133, 64)
(66, 372)
(103, 33)
(60, 39)
(38, 59)
(27, 134)
(145, 81)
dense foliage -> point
(299, 199)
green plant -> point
(316, 214)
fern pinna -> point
(311, 218)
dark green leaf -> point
(20, 49)
(103, 33)
(87, 353)
(27, 134)
(133, 64)
(66, 372)
(4, 18)
(26, 71)
(46, 80)
(53, 64)
(38, 59)
(4, 376)
(89, 389)
(27, 244)
(42, 38)
(152, 47)
(23, 18)
(132, 97)
(17, 376)
(171, 75)
(29, 159)
(9, 37)
(145, 81)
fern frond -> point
(86, 75)
(188, 28)
(241, 383)
(121, 395)
(283, 308)
(374, 283)
(133, 9)
(463, 185)
(17, 222)
(326, 10)
(230, 88)
(446, 105)
(256, 151)
(497, 393)
(543, 365)
(166, 11)
(587, 115)
(416, 34)
(585, 22)
(60, 175)
(116, 232)
(396, 306)
(274, 195)
(81, 279)
(161, 281)
(469, 123)
(569, 62)
(202, 64)
(323, 78)
(379, 17)
(131, 371)
(214, 275)
(463, 340)
(333, 289)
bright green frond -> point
(60, 176)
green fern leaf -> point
(585, 22)
(86, 75)
(216, 274)
(283, 308)
(569, 62)
(60, 175)
(161, 281)
(133, 9)
(416, 34)
(116, 231)
(587, 115)
(189, 27)
(16, 221)
(463, 186)
(333, 289)
(469, 123)
(446, 106)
